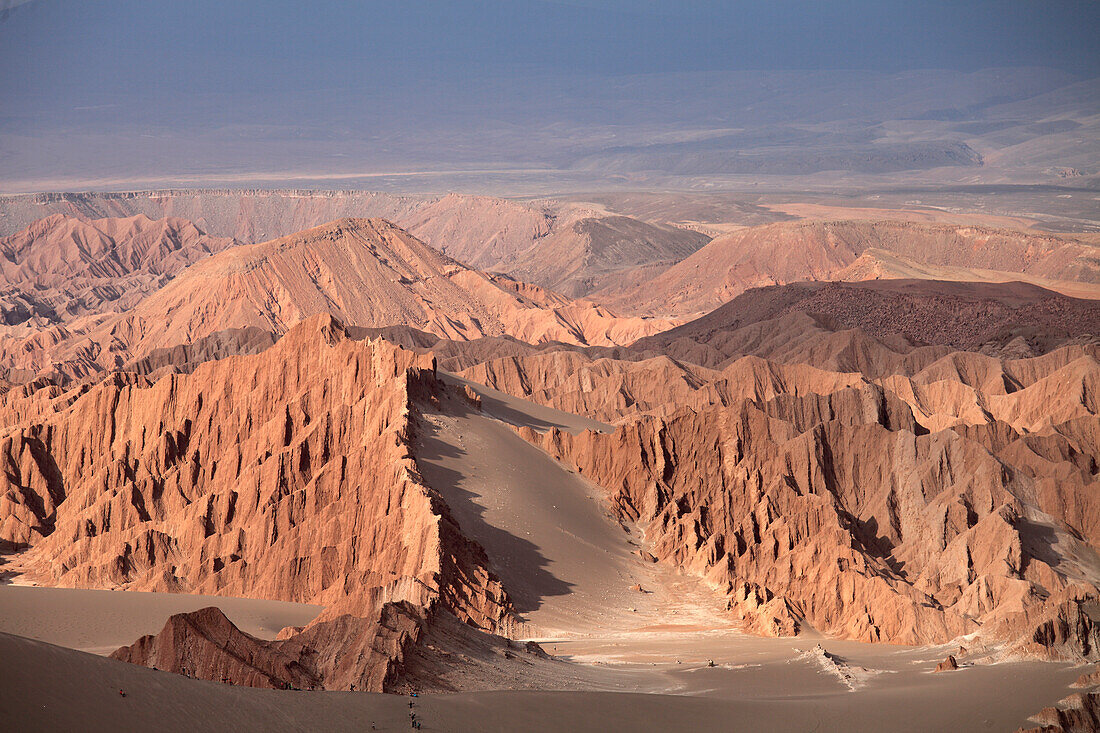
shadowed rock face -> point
(1078, 713)
(344, 653)
(824, 455)
(1012, 318)
(856, 526)
(206, 644)
(947, 665)
(282, 475)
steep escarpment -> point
(891, 492)
(995, 337)
(282, 475)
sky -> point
(120, 89)
(55, 46)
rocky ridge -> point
(281, 475)
(366, 272)
(60, 268)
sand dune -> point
(758, 684)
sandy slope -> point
(519, 412)
(567, 564)
(571, 569)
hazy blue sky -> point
(129, 90)
(225, 45)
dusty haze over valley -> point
(572, 365)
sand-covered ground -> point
(51, 688)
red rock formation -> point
(207, 645)
(572, 248)
(788, 323)
(588, 251)
(282, 475)
(1088, 679)
(1078, 713)
(809, 508)
(366, 272)
(947, 665)
(346, 652)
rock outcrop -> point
(947, 665)
(1088, 679)
(1078, 713)
(344, 653)
(818, 498)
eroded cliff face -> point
(282, 475)
(809, 501)
(348, 652)
(1076, 713)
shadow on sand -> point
(516, 561)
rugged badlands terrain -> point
(385, 471)
(857, 250)
(365, 271)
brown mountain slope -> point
(583, 255)
(481, 231)
(791, 251)
(282, 475)
(806, 498)
(569, 247)
(891, 493)
(367, 272)
(909, 511)
(61, 267)
(910, 328)
(909, 316)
